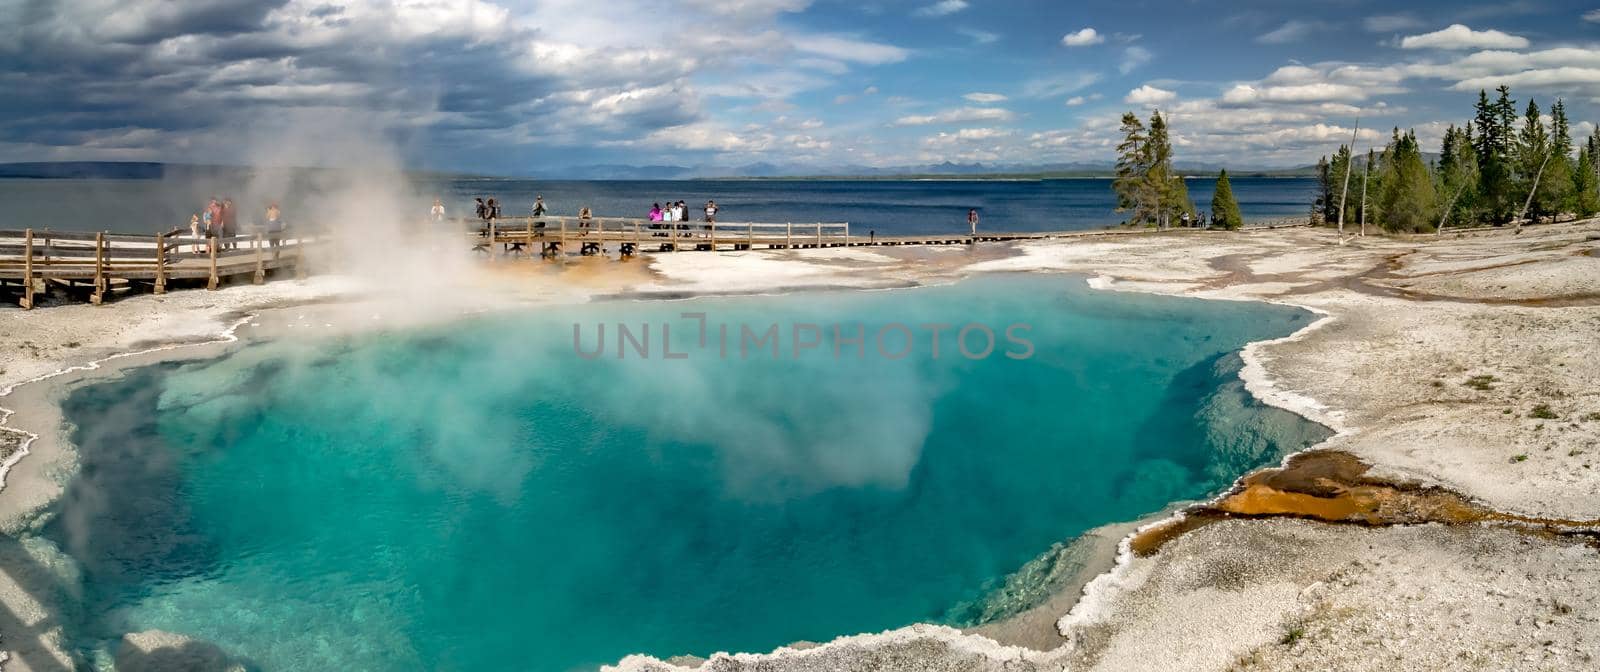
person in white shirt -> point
(437, 211)
(711, 211)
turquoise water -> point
(479, 497)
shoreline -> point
(1102, 589)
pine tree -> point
(1585, 185)
(1324, 203)
(1494, 123)
(1146, 184)
(1407, 200)
(1224, 209)
(1560, 170)
(1457, 176)
(1586, 179)
(1365, 212)
(1336, 170)
(1172, 194)
(1132, 171)
(1533, 159)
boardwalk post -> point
(161, 263)
(527, 248)
(713, 236)
(674, 233)
(261, 262)
(27, 269)
(847, 234)
(99, 269)
(212, 282)
(563, 247)
(300, 259)
(819, 234)
(490, 246)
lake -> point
(888, 207)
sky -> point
(527, 86)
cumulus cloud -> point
(957, 116)
(1075, 101)
(1082, 38)
(985, 98)
(1592, 16)
(1149, 95)
(941, 8)
(1458, 36)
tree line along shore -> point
(1497, 168)
(1494, 169)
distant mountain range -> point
(155, 171)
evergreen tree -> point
(1224, 209)
(1563, 198)
(1457, 176)
(1145, 182)
(1493, 147)
(1407, 200)
(1132, 171)
(1335, 183)
(1586, 179)
(1172, 194)
(1533, 159)
(1371, 184)
(1324, 203)
(1585, 185)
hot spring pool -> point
(478, 496)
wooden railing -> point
(555, 234)
(95, 260)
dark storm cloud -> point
(91, 72)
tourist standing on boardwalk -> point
(437, 211)
(483, 210)
(972, 221)
(655, 212)
(274, 226)
(538, 207)
(194, 233)
(584, 215)
(711, 212)
(214, 219)
(494, 209)
(229, 223)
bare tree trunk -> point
(1350, 165)
(1532, 191)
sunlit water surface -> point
(478, 497)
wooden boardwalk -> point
(555, 236)
(95, 265)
